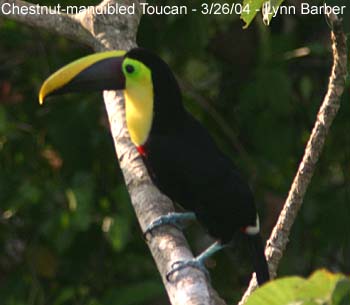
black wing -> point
(187, 166)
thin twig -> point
(328, 110)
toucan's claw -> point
(178, 220)
(194, 263)
(197, 262)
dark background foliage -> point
(68, 234)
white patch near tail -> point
(253, 230)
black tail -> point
(258, 258)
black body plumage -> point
(186, 165)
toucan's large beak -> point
(97, 72)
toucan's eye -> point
(129, 68)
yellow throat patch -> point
(138, 101)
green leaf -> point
(277, 292)
(252, 7)
(322, 287)
(341, 293)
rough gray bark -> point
(65, 25)
(168, 245)
(328, 110)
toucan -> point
(181, 157)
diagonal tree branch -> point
(328, 111)
(43, 17)
(168, 245)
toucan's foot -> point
(194, 263)
(178, 220)
(197, 262)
